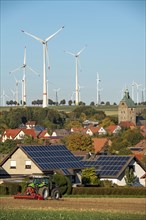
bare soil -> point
(127, 205)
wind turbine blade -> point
(33, 70)
(73, 54)
(81, 51)
(33, 36)
(47, 56)
(50, 37)
(15, 70)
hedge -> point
(13, 188)
(109, 191)
(9, 188)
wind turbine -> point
(143, 94)
(80, 87)
(45, 55)
(14, 94)
(56, 92)
(72, 96)
(133, 84)
(3, 98)
(77, 62)
(24, 66)
(137, 87)
(98, 90)
(16, 89)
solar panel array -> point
(52, 157)
(107, 165)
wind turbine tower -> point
(3, 96)
(98, 90)
(45, 55)
(24, 66)
(56, 93)
(77, 62)
(137, 88)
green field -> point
(66, 215)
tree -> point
(92, 103)
(62, 102)
(129, 177)
(78, 141)
(106, 122)
(72, 124)
(89, 176)
(133, 136)
(107, 103)
(63, 183)
(70, 102)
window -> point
(27, 164)
(12, 164)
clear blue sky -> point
(114, 32)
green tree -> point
(133, 136)
(89, 176)
(8, 146)
(78, 142)
(129, 177)
(72, 124)
(63, 183)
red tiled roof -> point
(138, 155)
(126, 124)
(30, 123)
(30, 132)
(76, 130)
(44, 134)
(93, 129)
(99, 143)
(11, 132)
(111, 128)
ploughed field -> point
(124, 205)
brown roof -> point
(100, 143)
(127, 124)
(94, 129)
(111, 128)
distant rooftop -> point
(127, 99)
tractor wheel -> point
(55, 194)
(44, 192)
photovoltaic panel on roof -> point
(107, 165)
(52, 157)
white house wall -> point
(139, 172)
(20, 157)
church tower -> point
(127, 109)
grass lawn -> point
(66, 215)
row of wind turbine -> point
(22, 67)
(45, 56)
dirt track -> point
(131, 205)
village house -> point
(44, 159)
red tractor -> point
(41, 187)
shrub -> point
(109, 191)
